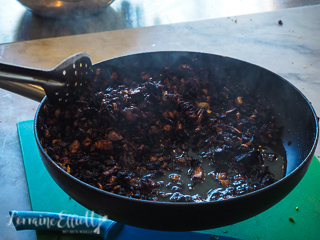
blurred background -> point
(19, 24)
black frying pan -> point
(300, 136)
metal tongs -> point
(62, 84)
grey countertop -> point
(291, 50)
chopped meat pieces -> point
(163, 135)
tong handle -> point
(12, 73)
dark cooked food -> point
(174, 134)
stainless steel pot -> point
(65, 8)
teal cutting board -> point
(302, 204)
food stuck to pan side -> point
(178, 134)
